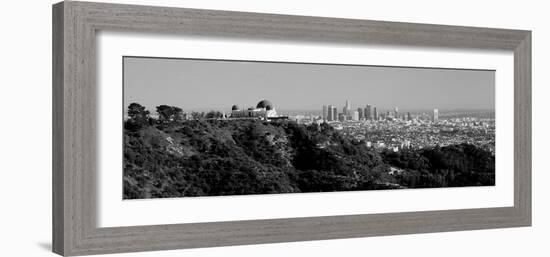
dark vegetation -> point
(173, 157)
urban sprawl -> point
(396, 130)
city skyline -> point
(330, 113)
(189, 84)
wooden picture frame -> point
(74, 130)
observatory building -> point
(264, 110)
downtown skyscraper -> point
(347, 108)
(330, 115)
(368, 114)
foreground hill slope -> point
(236, 157)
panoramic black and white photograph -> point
(202, 127)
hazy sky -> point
(217, 85)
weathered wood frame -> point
(74, 128)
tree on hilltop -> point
(138, 116)
(214, 115)
(169, 114)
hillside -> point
(237, 157)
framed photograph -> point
(182, 128)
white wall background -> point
(25, 128)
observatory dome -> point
(265, 104)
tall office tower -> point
(334, 113)
(341, 117)
(409, 116)
(396, 111)
(330, 117)
(325, 112)
(347, 109)
(368, 114)
(361, 115)
(375, 114)
(355, 115)
(436, 116)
